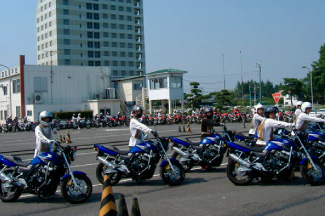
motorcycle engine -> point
(209, 153)
(41, 176)
(139, 163)
(278, 160)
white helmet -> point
(305, 105)
(259, 106)
(43, 115)
(299, 103)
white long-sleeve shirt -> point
(135, 126)
(304, 119)
(257, 119)
(269, 124)
(43, 136)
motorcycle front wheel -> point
(236, 176)
(187, 165)
(76, 193)
(9, 192)
(312, 176)
(100, 172)
(171, 177)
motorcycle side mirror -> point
(55, 131)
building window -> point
(66, 52)
(129, 18)
(115, 73)
(158, 83)
(113, 26)
(65, 12)
(96, 25)
(16, 86)
(89, 16)
(106, 53)
(175, 82)
(90, 54)
(66, 41)
(122, 45)
(104, 16)
(29, 112)
(18, 111)
(122, 54)
(106, 63)
(130, 45)
(90, 44)
(105, 34)
(123, 73)
(96, 35)
(97, 63)
(131, 63)
(65, 2)
(130, 36)
(129, 27)
(122, 36)
(115, 63)
(89, 25)
(122, 63)
(137, 86)
(114, 35)
(113, 16)
(40, 84)
(90, 35)
(131, 73)
(121, 17)
(95, 7)
(89, 6)
(105, 44)
(97, 44)
(96, 16)
(120, 8)
(90, 63)
(66, 31)
(114, 53)
(67, 61)
(104, 6)
(105, 25)
(121, 26)
(97, 54)
(66, 22)
(113, 7)
(114, 44)
(130, 54)
(5, 90)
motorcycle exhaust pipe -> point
(105, 162)
(184, 154)
(239, 160)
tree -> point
(293, 87)
(223, 99)
(318, 70)
(195, 96)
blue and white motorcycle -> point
(43, 175)
(277, 159)
(139, 163)
(209, 152)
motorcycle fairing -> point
(143, 147)
(74, 173)
(6, 162)
(43, 158)
(105, 150)
(240, 148)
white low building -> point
(29, 89)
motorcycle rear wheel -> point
(170, 178)
(186, 165)
(311, 176)
(114, 177)
(233, 174)
(10, 195)
(75, 195)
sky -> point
(192, 35)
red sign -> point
(276, 97)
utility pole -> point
(241, 71)
(250, 95)
(254, 94)
(223, 69)
(260, 73)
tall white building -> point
(92, 33)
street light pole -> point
(260, 73)
(311, 85)
(223, 69)
(10, 103)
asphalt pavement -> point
(202, 193)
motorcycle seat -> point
(254, 149)
(193, 143)
(16, 160)
(126, 158)
(242, 136)
(118, 151)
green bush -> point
(68, 115)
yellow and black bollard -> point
(135, 211)
(122, 209)
(107, 205)
(188, 128)
(68, 138)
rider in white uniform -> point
(304, 118)
(258, 117)
(43, 134)
(136, 128)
